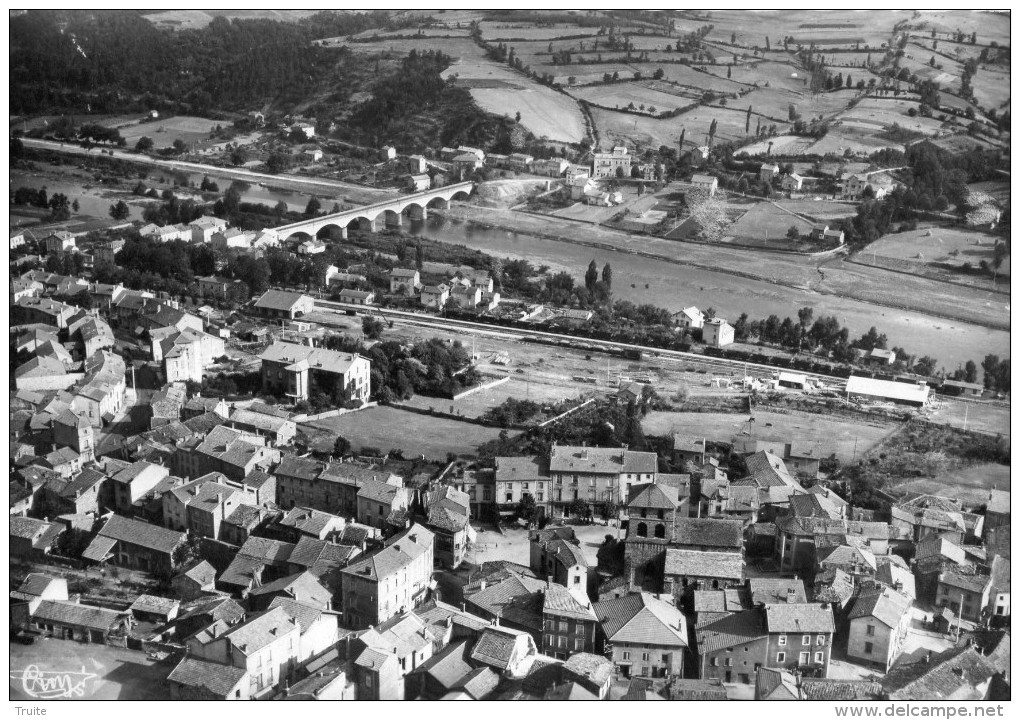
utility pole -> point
(966, 411)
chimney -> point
(481, 586)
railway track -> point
(677, 356)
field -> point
(196, 19)
(765, 220)
(527, 31)
(988, 26)
(819, 209)
(385, 428)
(830, 434)
(545, 112)
(876, 115)
(518, 388)
(165, 130)
(969, 483)
(619, 95)
(983, 417)
(935, 244)
(992, 88)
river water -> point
(635, 278)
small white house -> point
(717, 332)
(388, 152)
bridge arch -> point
(438, 202)
(461, 194)
(332, 231)
(416, 211)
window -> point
(871, 630)
(662, 514)
(642, 530)
(579, 644)
(626, 655)
(821, 640)
(563, 626)
(577, 579)
(539, 497)
(368, 681)
(868, 648)
(509, 497)
(715, 661)
(805, 658)
(806, 640)
(729, 662)
(644, 512)
(562, 642)
(782, 639)
(780, 657)
(644, 657)
(819, 657)
(667, 658)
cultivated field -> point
(753, 26)
(830, 434)
(936, 244)
(878, 114)
(620, 95)
(196, 19)
(819, 209)
(165, 130)
(991, 88)
(385, 428)
(527, 31)
(983, 417)
(545, 112)
(766, 221)
(969, 483)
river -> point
(635, 278)
(644, 280)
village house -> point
(135, 544)
(404, 281)
(648, 636)
(129, 485)
(434, 297)
(706, 184)
(717, 333)
(30, 537)
(449, 514)
(965, 593)
(295, 370)
(689, 318)
(377, 501)
(879, 621)
(59, 241)
(257, 419)
(223, 450)
(553, 167)
(356, 297)
(611, 164)
(185, 354)
(388, 581)
(194, 580)
(568, 620)
(767, 171)
(203, 229)
(519, 162)
(216, 286)
(792, 182)
(689, 570)
(594, 474)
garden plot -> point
(620, 95)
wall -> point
(743, 658)
(49, 382)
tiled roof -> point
(889, 573)
(830, 690)
(966, 581)
(449, 667)
(69, 613)
(940, 678)
(799, 618)
(304, 614)
(271, 551)
(823, 526)
(308, 520)
(654, 496)
(155, 604)
(776, 590)
(695, 563)
(199, 571)
(219, 680)
(401, 551)
(142, 534)
(885, 605)
(435, 613)
(773, 684)
(561, 602)
(570, 691)
(812, 505)
(496, 646)
(589, 668)
(499, 598)
(256, 633)
(307, 552)
(378, 492)
(768, 470)
(566, 553)
(278, 300)
(709, 533)
(479, 684)
(641, 618)
(846, 556)
(403, 635)
(711, 689)
(735, 629)
(303, 587)
(445, 518)
(568, 459)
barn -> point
(914, 394)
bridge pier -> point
(394, 219)
(418, 212)
(343, 233)
(442, 204)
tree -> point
(75, 206)
(144, 144)
(341, 446)
(120, 210)
(579, 508)
(313, 206)
(372, 327)
(526, 508)
(419, 256)
(239, 156)
(729, 71)
(607, 277)
(277, 162)
(280, 210)
(990, 366)
(711, 131)
(591, 276)
(793, 233)
(926, 365)
(804, 316)
(747, 121)
(683, 132)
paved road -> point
(234, 173)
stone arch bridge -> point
(390, 211)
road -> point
(836, 383)
(234, 173)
